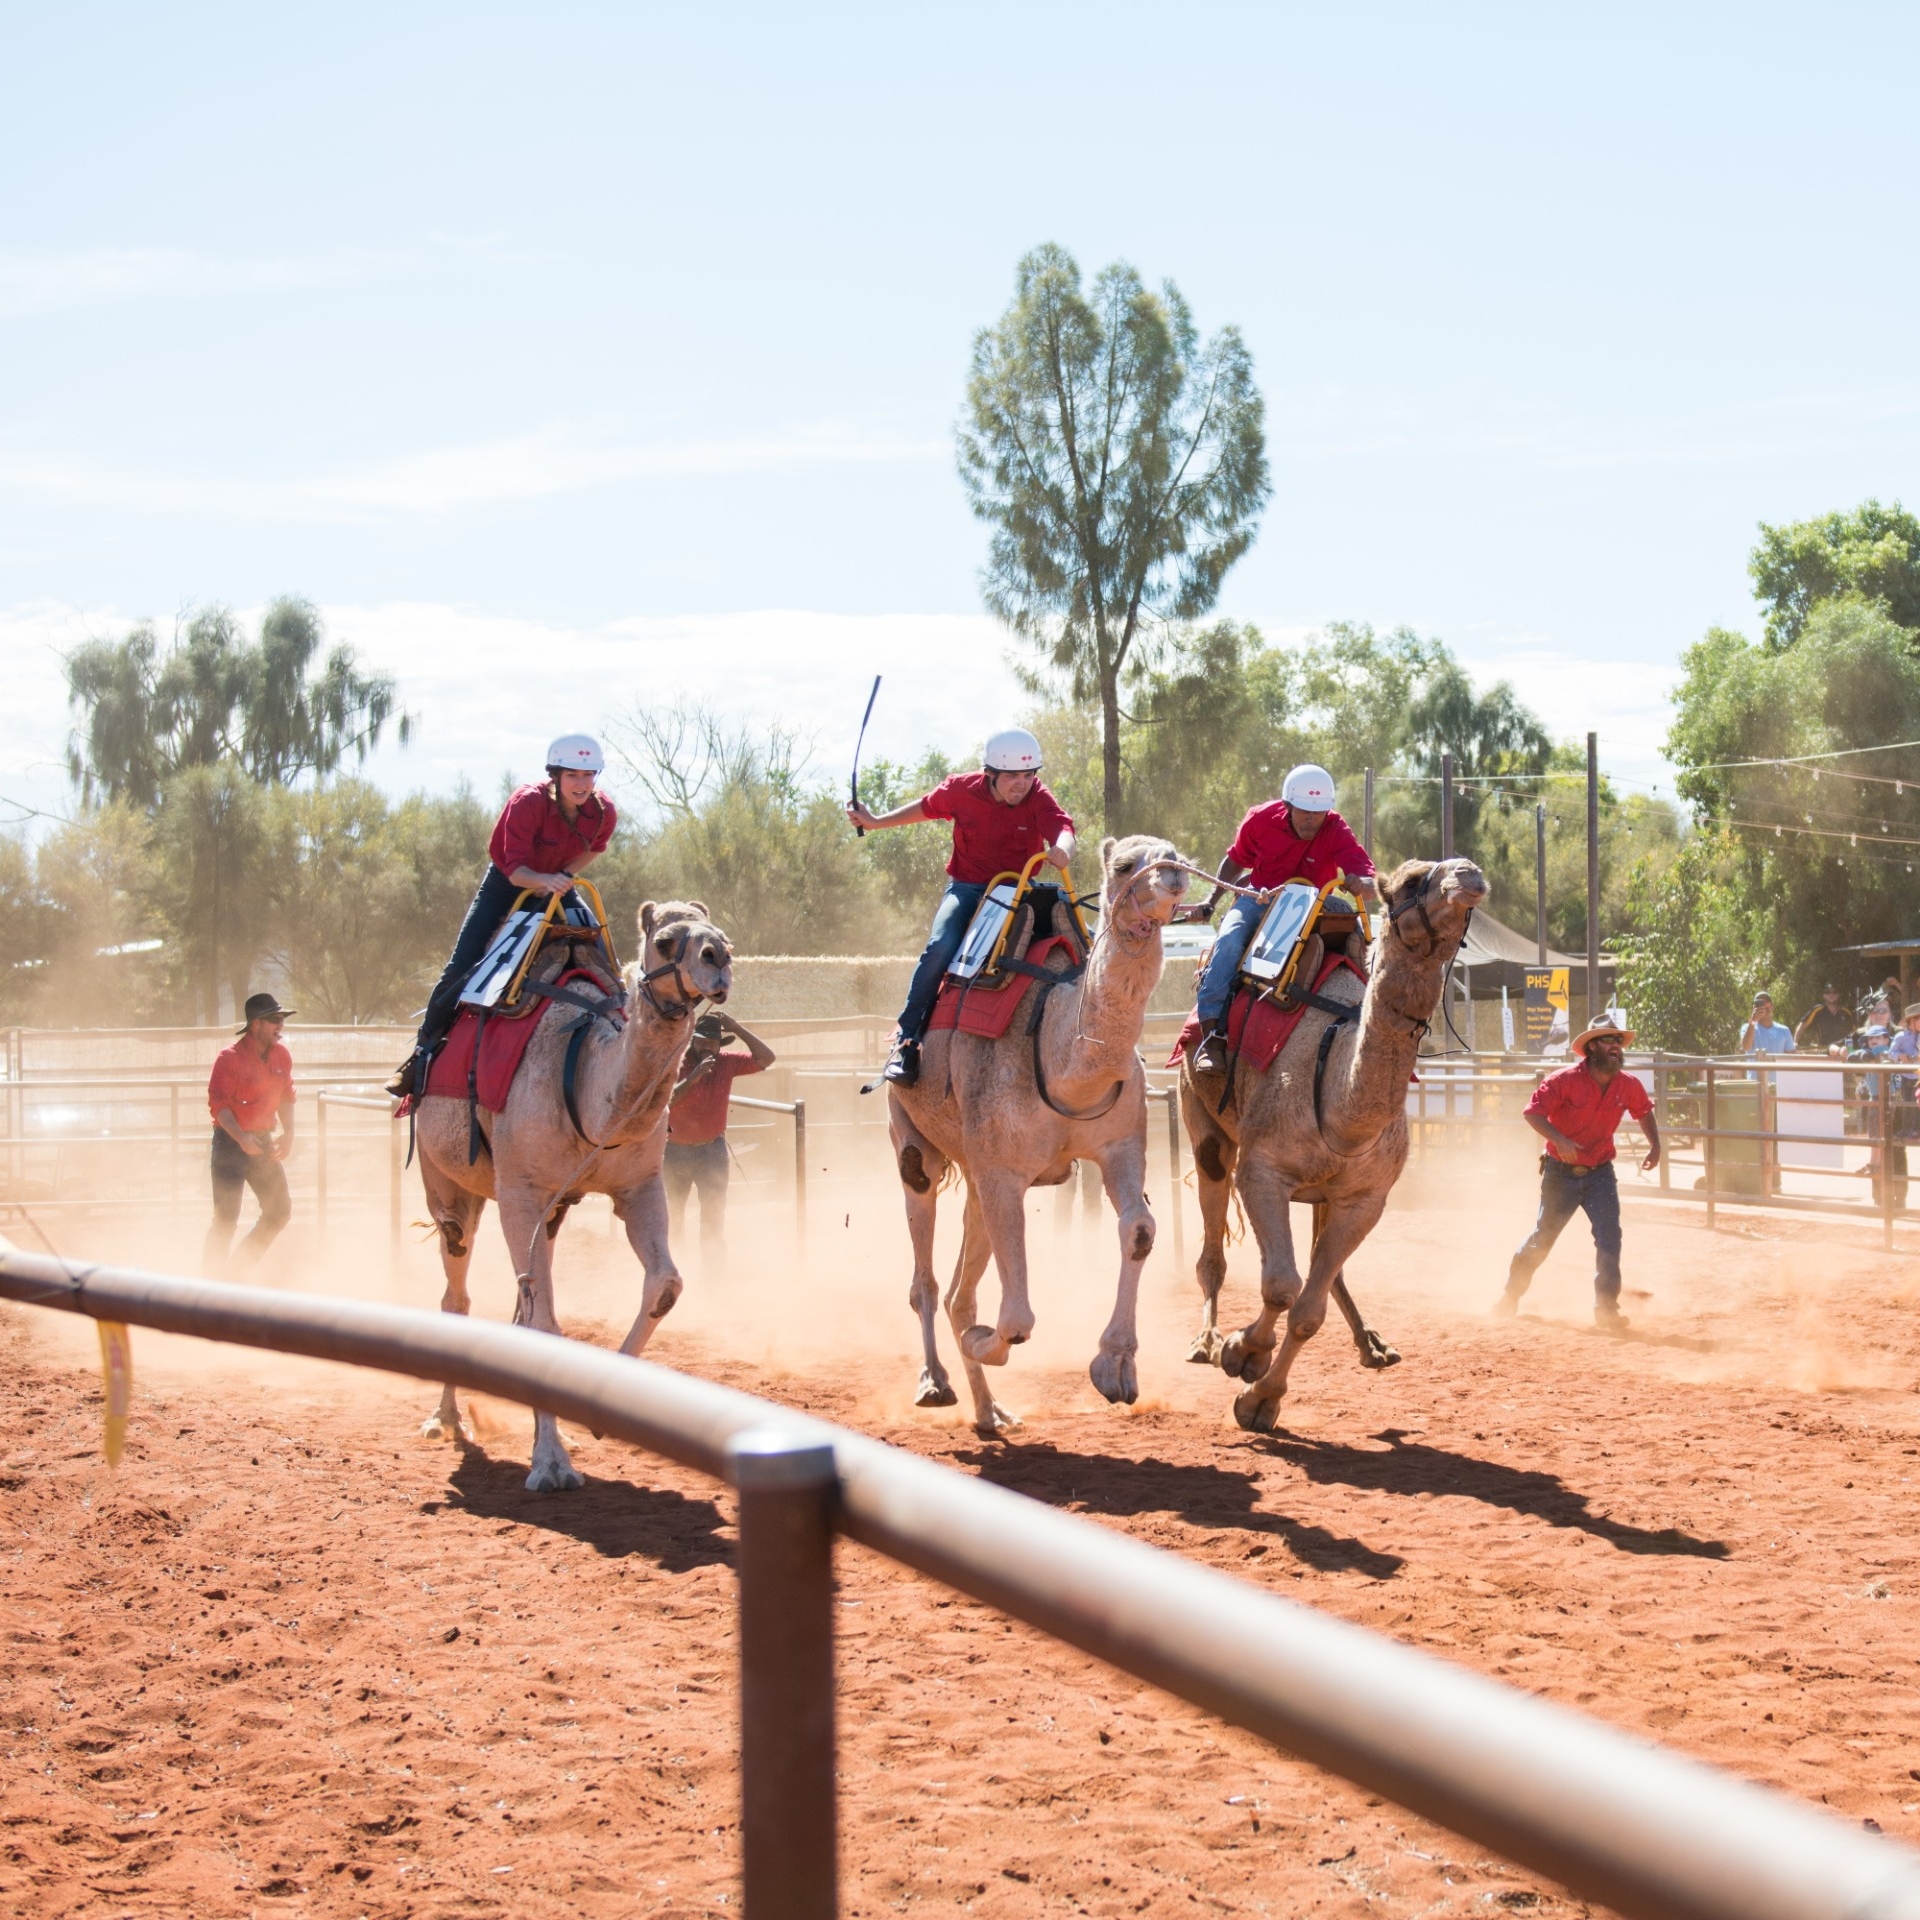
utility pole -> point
(1593, 875)
(1366, 834)
(1446, 806)
(1540, 880)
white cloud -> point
(34, 282)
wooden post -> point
(1540, 883)
(799, 1174)
(320, 1170)
(1174, 1187)
(1446, 806)
(1709, 1143)
(1593, 875)
(1366, 830)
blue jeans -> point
(1223, 963)
(950, 922)
(492, 901)
(1565, 1191)
(234, 1170)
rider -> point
(1297, 837)
(547, 834)
(1002, 816)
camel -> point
(539, 1165)
(1343, 1159)
(980, 1110)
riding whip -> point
(853, 781)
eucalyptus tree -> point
(1121, 464)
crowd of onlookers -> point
(1867, 1032)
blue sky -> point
(575, 355)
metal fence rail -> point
(1615, 1819)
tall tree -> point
(1873, 551)
(273, 705)
(1122, 466)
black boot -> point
(903, 1068)
(402, 1083)
(1210, 1056)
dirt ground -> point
(290, 1658)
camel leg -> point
(1123, 1165)
(532, 1254)
(456, 1212)
(1374, 1352)
(1346, 1226)
(989, 1416)
(1213, 1157)
(922, 1166)
(1268, 1199)
(643, 1212)
(1002, 1201)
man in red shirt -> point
(251, 1087)
(548, 833)
(1575, 1111)
(696, 1154)
(1297, 837)
(1002, 816)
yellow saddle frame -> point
(547, 922)
(1023, 882)
(1282, 986)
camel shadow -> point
(1412, 1467)
(613, 1517)
(1633, 1336)
(1202, 1496)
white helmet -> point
(1309, 788)
(577, 753)
(1013, 750)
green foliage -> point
(1121, 465)
(1872, 551)
(273, 707)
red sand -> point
(292, 1659)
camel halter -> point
(690, 995)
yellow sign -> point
(1544, 1026)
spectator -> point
(1763, 1034)
(1826, 1028)
(697, 1154)
(1875, 1038)
(251, 1087)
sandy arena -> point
(292, 1659)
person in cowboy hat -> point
(548, 833)
(1297, 837)
(1002, 816)
(250, 1088)
(1575, 1111)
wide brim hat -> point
(262, 1006)
(1595, 1028)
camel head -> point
(1428, 902)
(683, 956)
(1142, 884)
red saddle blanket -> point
(987, 1012)
(503, 1045)
(1257, 1028)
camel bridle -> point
(675, 970)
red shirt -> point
(1586, 1112)
(699, 1110)
(255, 1089)
(532, 832)
(1268, 845)
(989, 838)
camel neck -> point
(1092, 1029)
(627, 1078)
(1364, 1097)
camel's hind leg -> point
(456, 1213)
(922, 1167)
(642, 1210)
(989, 1416)
(1213, 1157)
(523, 1218)
(1123, 1165)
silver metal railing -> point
(1615, 1819)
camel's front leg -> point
(1002, 1201)
(1213, 1157)
(1345, 1225)
(1268, 1198)
(532, 1253)
(456, 1213)
(922, 1166)
(1123, 1165)
(989, 1416)
(643, 1212)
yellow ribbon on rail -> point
(116, 1381)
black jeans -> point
(707, 1168)
(233, 1170)
(491, 901)
(1565, 1191)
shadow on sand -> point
(1202, 1496)
(1412, 1467)
(613, 1517)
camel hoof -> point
(934, 1393)
(435, 1428)
(1241, 1361)
(996, 1422)
(1375, 1353)
(1205, 1351)
(986, 1346)
(1257, 1412)
(550, 1479)
(1113, 1374)
(669, 1298)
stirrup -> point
(1210, 1056)
(402, 1082)
(903, 1067)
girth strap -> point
(476, 1140)
(569, 1072)
(1048, 981)
(1344, 1014)
(572, 997)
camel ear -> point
(646, 921)
(700, 907)
(1106, 852)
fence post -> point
(1710, 1143)
(1661, 1110)
(1884, 1084)
(396, 1164)
(799, 1174)
(173, 1145)
(320, 1169)
(1173, 1174)
(788, 1813)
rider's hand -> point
(1194, 916)
(1064, 861)
(861, 816)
